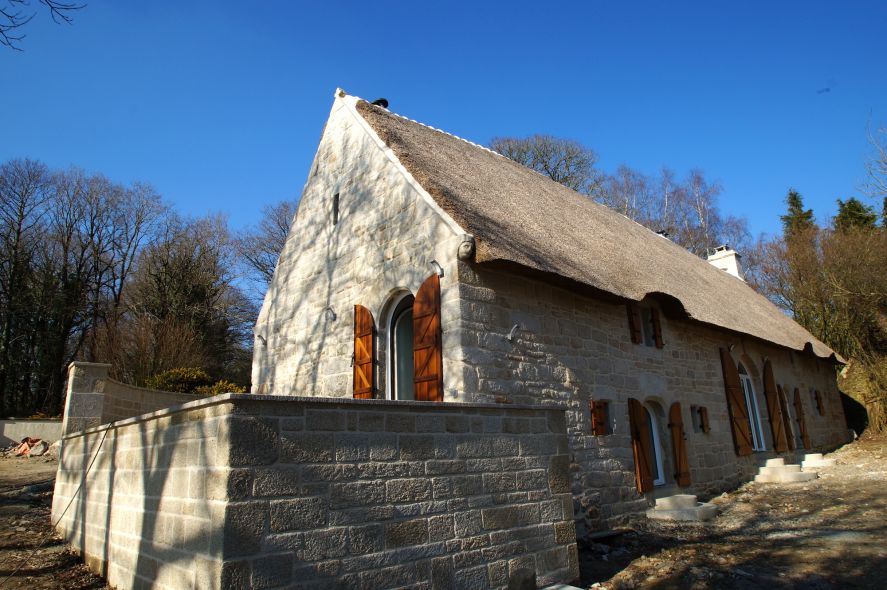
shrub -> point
(179, 380)
(220, 386)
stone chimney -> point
(727, 259)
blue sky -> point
(220, 104)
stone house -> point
(421, 266)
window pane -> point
(403, 350)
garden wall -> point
(245, 491)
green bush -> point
(179, 380)
(220, 386)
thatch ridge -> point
(519, 216)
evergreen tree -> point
(853, 214)
(797, 220)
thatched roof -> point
(519, 216)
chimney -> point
(727, 259)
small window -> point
(699, 416)
(600, 417)
(335, 208)
(647, 326)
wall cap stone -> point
(241, 398)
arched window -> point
(751, 404)
(400, 346)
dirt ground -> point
(828, 533)
(824, 534)
(26, 537)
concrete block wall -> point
(271, 492)
(570, 348)
(13, 431)
(93, 398)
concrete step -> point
(775, 462)
(813, 457)
(777, 469)
(700, 512)
(808, 464)
(676, 502)
(788, 477)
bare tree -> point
(563, 160)
(876, 164)
(15, 14)
(260, 246)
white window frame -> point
(751, 405)
(657, 445)
(391, 349)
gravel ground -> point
(827, 533)
(27, 542)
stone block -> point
(314, 447)
(508, 517)
(272, 571)
(406, 533)
(351, 495)
(371, 422)
(352, 447)
(417, 447)
(299, 514)
(441, 528)
(442, 573)
(277, 481)
(407, 490)
(400, 423)
(499, 482)
(329, 543)
(325, 419)
(244, 526)
(559, 474)
(365, 539)
(252, 441)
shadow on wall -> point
(857, 417)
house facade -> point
(423, 267)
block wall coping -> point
(381, 404)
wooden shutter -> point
(786, 419)
(657, 328)
(679, 445)
(364, 360)
(640, 446)
(634, 323)
(703, 419)
(739, 423)
(599, 423)
(427, 353)
(820, 409)
(802, 424)
(774, 410)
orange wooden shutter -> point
(736, 405)
(774, 410)
(703, 420)
(634, 323)
(427, 353)
(599, 423)
(364, 353)
(786, 420)
(802, 424)
(657, 328)
(679, 445)
(640, 446)
(820, 409)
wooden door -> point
(679, 445)
(641, 446)
(427, 353)
(364, 359)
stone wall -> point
(570, 348)
(378, 248)
(92, 398)
(269, 491)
